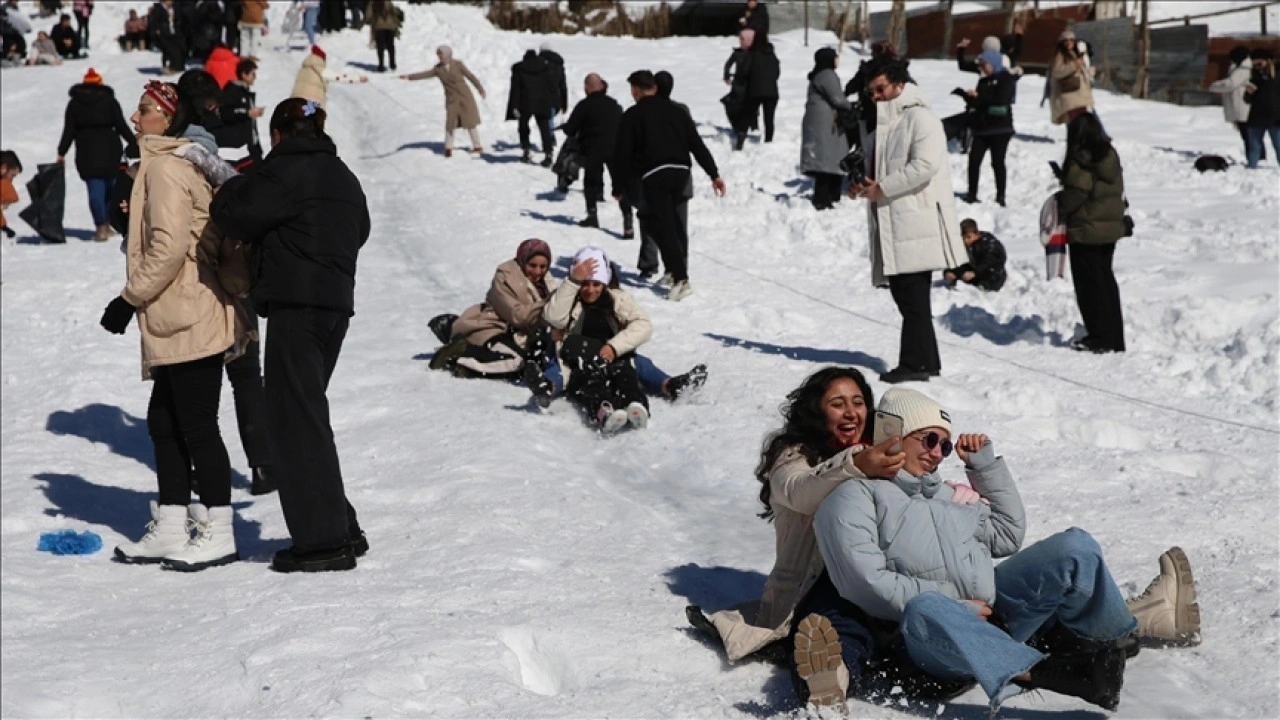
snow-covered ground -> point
(522, 567)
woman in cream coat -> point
(178, 267)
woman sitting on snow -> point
(603, 326)
(847, 636)
(507, 337)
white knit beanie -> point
(916, 410)
(991, 42)
(603, 272)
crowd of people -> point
(884, 570)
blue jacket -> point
(886, 541)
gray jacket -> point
(823, 144)
(884, 542)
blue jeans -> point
(1256, 136)
(309, 17)
(99, 190)
(1061, 579)
(651, 377)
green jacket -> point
(389, 21)
(1091, 204)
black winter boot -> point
(546, 161)
(692, 380)
(591, 220)
(263, 483)
(1093, 677)
(442, 327)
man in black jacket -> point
(305, 214)
(655, 140)
(594, 123)
(532, 98)
(65, 38)
(239, 110)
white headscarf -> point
(446, 51)
(603, 271)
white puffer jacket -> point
(915, 229)
(1231, 88)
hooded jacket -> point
(95, 123)
(305, 214)
(172, 257)
(823, 141)
(1231, 88)
(885, 541)
(915, 229)
(532, 87)
(1091, 203)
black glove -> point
(117, 316)
(8, 231)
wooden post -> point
(1142, 84)
(1009, 6)
(947, 26)
(844, 26)
(864, 30)
(1263, 13)
(898, 26)
(806, 24)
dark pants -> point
(82, 29)
(1243, 128)
(918, 347)
(592, 181)
(548, 140)
(858, 639)
(182, 419)
(245, 375)
(1097, 295)
(173, 51)
(302, 350)
(594, 381)
(664, 197)
(386, 42)
(826, 189)
(999, 145)
(770, 106)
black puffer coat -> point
(993, 106)
(305, 215)
(95, 123)
(532, 87)
(762, 71)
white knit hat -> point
(916, 410)
(991, 42)
(603, 271)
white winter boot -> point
(1167, 611)
(213, 544)
(166, 533)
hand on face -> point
(583, 270)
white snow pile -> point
(523, 568)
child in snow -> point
(314, 77)
(10, 167)
(985, 268)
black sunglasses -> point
(931, 440)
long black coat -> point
(762, 70)
(532, 87)
(559, 85)
(594, 122)
(305, 215)
(95, 123)
(1264, 103)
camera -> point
(854, 164)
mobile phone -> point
(888, 425)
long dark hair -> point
(1085, 134)
(299, 118)
(804, 425)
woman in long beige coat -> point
(177, 266)
(822, 443)
(460, 108)
(1070, 81)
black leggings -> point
(826, 189)
(385, 40)
(999, 145)
(182, 419)
(770, 106)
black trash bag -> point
(568, 163)
(48, 192)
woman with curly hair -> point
(823, 441)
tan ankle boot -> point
(1167, 609)
(102, 233)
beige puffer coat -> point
(1062, 102)
(172, 260)
(513, 302)
(796, 489)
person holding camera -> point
(913, 223)
(823, 142)
(1069, 82)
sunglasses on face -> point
(932, 439)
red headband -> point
(164, 95)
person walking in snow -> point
(1232, 88)
(990, 121)
(304, 213)
(603, 325)
(735, 76)
(912, 216)
(655, 141)
(384, 22)
(95, 124)
(559, 82)
(314, 77)
(252, 23)
(1264, 106)
(1092, 206)
(985, 268)
(823, 141)
(82, 9)
(460, 110)
(759, 76)
(594, 126)
(532, 98)
(183, 299)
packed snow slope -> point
(524, 568)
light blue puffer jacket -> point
(886, 541)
